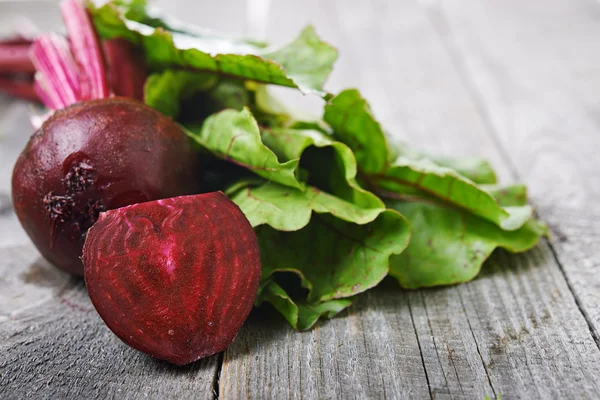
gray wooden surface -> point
(517, 82)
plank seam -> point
(442, 28)
(487, 374)
(437, 353)
(412, 319)
(217, 378)
(588, 320)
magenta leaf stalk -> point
(57, 71)
(85, 49)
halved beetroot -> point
(174, 278)
(96, 156)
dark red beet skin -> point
(91, 157)
(174, 278)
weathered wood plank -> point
(515, 331)
(53, 344)
(462, 129)
(534, 67)
(335, 360)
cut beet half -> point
(174, 278)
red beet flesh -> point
(174, 278)
(96, 156)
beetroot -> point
(91, 157)
(174, 278)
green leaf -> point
(227, 93)
(475, 169)
(331, 165)
(333, 258)
(308, 61)
(337, 248)
(423, 177)
(288, 209)
(319, 126)
(508, 196)
(234, 136)
(353, 123)
(300, 314)
(449, 245)
(165, 91)
(305, 63)
(277, 155)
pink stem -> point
(18, 88)
(126, 68)
(57, 70)
(86, 50)
(15, 58)
(41, 89)
(16, 40)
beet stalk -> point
(18, 88)
(85, 49)
(14, 58)
(57, 81)
(126, 68)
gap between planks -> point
(217, 378)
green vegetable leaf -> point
(353, 123)
(305, 63)
(164, 91)
(333, 258)
(330, 165)
(338, 249)
(277, 155)
(475, 169)
(508, 196)
(407, 176)
(449, 245)
(299, 314)
(234, 136)
(288, 209)
(204, 94)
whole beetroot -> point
(174, 278)
(91, 157)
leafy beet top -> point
(174, 278)
(91, 157)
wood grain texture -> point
(369, 352)
(535, 70)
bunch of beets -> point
(107, 188)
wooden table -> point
(515, 81)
